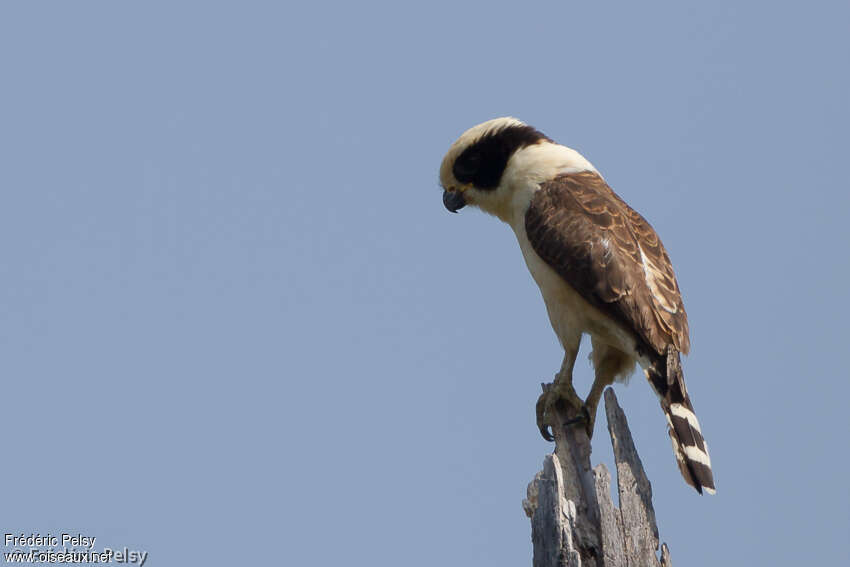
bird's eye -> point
(466, 166)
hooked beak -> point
(453, 201)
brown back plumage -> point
(614, 259)
(610, 255)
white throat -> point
(526, 170)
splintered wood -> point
(574, 522)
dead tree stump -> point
(574, 522)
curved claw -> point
(540, 409)
(552, 393)
(583, 417)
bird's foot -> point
(552, 395)
(586, 417)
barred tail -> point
(689, 446)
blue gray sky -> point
(239, 326)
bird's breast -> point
(569, 313)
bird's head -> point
(472, 170)
(490, 161)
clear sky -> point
(238, 325)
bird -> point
(601, 269)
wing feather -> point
(610, 255)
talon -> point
(545, 409)
(591, 420)
(583, 417)
(540, 409)
(586, 417)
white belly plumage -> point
(569, 313)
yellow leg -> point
(608, 363)
(561, 389)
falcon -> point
(600, 266)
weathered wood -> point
(634, 489)
(611, 522)
(553, 522)
(574, 522)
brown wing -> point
(610, 255)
